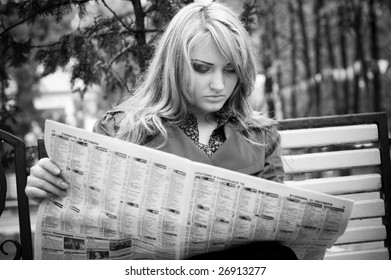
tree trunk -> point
(292, 23)
(344, 59)
(140, 35)
(306, 54)
(377, 106)
(332, 63)
(277, 61)
(267, 63)
(360, 73)
(317, 48)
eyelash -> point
(200, 68)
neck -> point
(203, 118)
(206, 120)
(206, 124)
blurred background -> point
(70, 61)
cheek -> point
(232, 83)
(200, 83)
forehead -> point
(207, 50)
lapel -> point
(235, 154)
(238, 154)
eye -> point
(230, 69)
(200, 68)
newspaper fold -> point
(132, 202)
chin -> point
(212, 109)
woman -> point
(193, 101)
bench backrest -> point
(347, 156)
(339, 155)
(23, 248)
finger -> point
(36, 200)
(49, 166)
(36, 195)
(37, 187)
(40, 172)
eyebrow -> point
(207, 63)
(204, 62)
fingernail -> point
(56, 170)
(64, 185)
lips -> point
(215, 96)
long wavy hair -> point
(162, 97)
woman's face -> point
(215, 78)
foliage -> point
(105, 42)
(110, 49)
(18, 70)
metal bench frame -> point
(24, 248)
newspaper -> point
(126, 201)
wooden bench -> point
(347, 156)
(339, 155)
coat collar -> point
(236, 153)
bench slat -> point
(362, 196)
(374, 254)
(368, 208)
(320, 137)
(356, 247)
(331, 160)
(365, 222)
(341, 185)
(363, 234)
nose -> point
(217, 82)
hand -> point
(44, 181)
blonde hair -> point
(162, 98)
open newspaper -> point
(132, 202)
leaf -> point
(19, 53)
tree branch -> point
(47, 8)
(116, 16)
(119, 55)
(122, 81)
(151, 8)
(44, 46)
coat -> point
(236, 154)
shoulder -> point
(109, 123)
